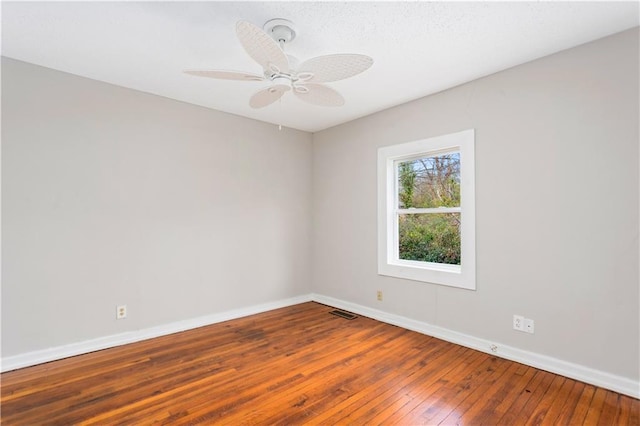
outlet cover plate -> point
(121, 311)
(528, 325)
(518, 322)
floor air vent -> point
(343, 314)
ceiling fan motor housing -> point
(281, 83)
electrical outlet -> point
(528, 325)
(121, 311)
(518, 322)
(380, 295)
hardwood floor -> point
(301, 365)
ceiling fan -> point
(284, 72)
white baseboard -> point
(599, 378)
(59, 352)
(613, 382)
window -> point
(426, 210)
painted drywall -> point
(556, 207)
(112, 196)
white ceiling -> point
(419, 48)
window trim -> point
(389, 264)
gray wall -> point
(112, 196)
(556, 206)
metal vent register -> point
(343, 314)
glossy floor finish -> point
(301, 365)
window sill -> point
(449, 275)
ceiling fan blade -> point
(262, 48)
(265, 97)
(225, 75)
(335, 67)
(319, 94)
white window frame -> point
(389, 263)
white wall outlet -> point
(379, 295)
(121, 311)
(528, 325)
(518, 322)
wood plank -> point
(582, 407)
(541, 409)
(564, 402)
(609, 410)
(472, 386)
(476, 412)
(427, 387)
(331, 371)
(596, 407)
(370, 399)
(300, 365)
(377, 397)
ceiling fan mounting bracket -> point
(281, 30)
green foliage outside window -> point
(430, 238)
(430, 182)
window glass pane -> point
(429, 182)
(430, 237)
